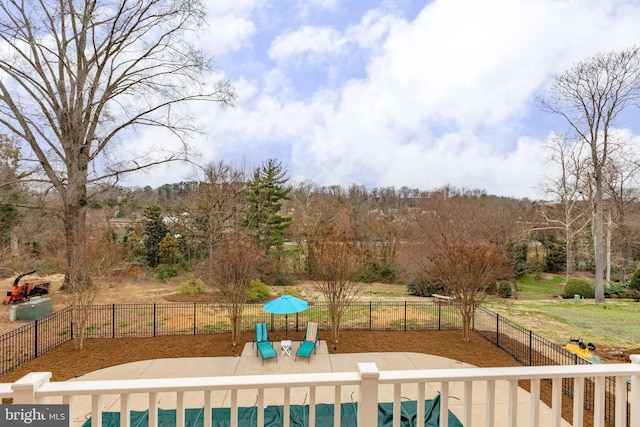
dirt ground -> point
(64, 362)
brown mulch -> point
(65, 363)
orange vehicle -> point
(20, 292)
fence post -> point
(370, 315)
(35, 343)
(530, 347)
(113, 320)
(405, 315)
(194, 318)
(368, 406)
(473, 318)
(439, 314)
(497, 330)
(154, 319)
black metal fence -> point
(150, 320)
(533, 350)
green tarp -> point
(299, 416)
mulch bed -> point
(65, 363)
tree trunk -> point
(15, 247)
(335, 328)
(80, 319)
(598, 231)
(77, 273)
(608, 251)
(466, 315)
(75, 215)
(235, 330)
(568, 252)
(235, 317)
(311, 265)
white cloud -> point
(229, 25)
(306, 40)
(447, 88)
(443, 99)
(312, 40)
(308, 7)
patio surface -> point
(249, 364)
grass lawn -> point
(616, 323)
(540, 287)
(613, 324)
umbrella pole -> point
(286, 326)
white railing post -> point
(368, 406)
(635, 394)
(24, 390)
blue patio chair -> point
(264, 348)
(309, 342)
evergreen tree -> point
(8, 220)
(517, 254)
(556, 259)
(265, 192)
(10, 191)
(155, 231)
(169, 250)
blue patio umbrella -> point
(286, 304)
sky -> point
(393, 93)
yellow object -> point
(582, 352)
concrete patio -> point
(249, 364)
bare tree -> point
(337, 265)
(217, 206)
(103, 255)
(312, 212)
(591, 96)
(467, 269)
(462, 249)
(568, 188)
(230, 269)
(621, 188)
(80, 77)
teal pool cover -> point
(299, 416)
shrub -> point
(283, 280)
(633, 294)
(491, 289)
(615, 290)
(378, 272)
(191, 287)
(535, 266)
(577, 286)
(164, 272)
(634, 283)
(423, 286)
(504, 289)
(258, 291)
